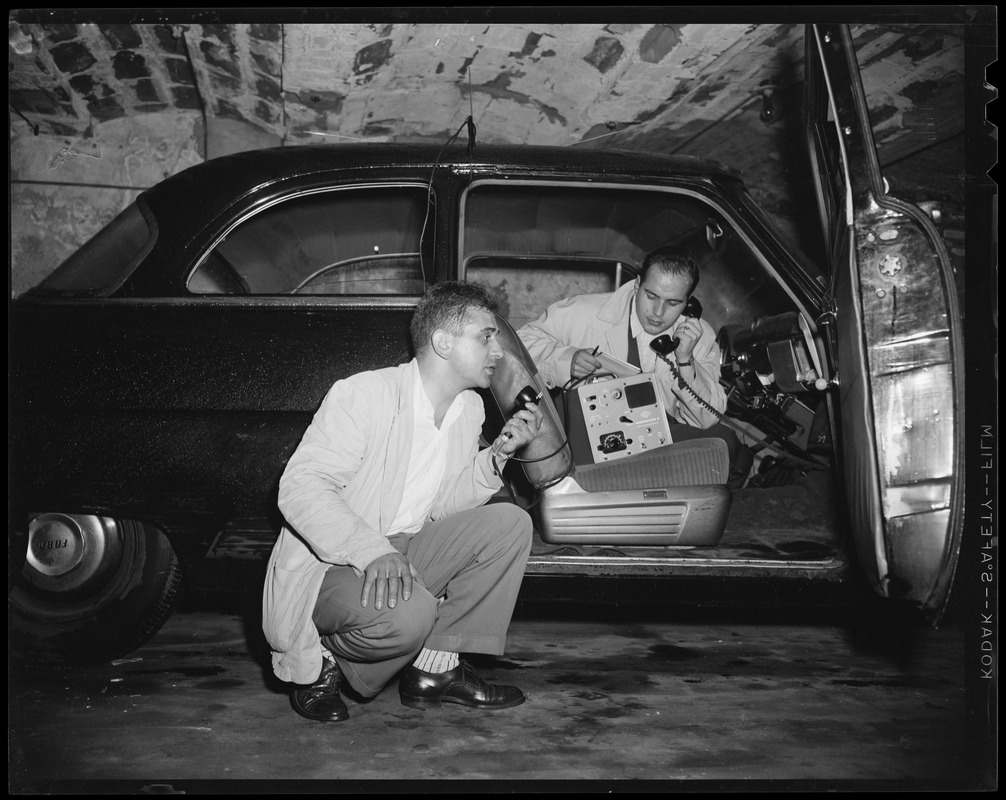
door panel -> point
(899, 345)
(182, 413)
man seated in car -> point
(565, 340)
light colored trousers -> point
(474, 560)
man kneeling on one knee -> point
(390, 560)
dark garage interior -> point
(631, 687)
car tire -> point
(91, 589)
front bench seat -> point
(674, 495)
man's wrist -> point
(499, 460)
(497, 446)
(690, 362)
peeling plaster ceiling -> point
(691, 87)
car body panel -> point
(221, 387)
(188, 424)
(899, 345)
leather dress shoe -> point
(460, 685)
(321, 701)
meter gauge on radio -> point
(613, 442)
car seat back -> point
(547, 458)
(671, 496)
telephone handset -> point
(524, 396)
(664, 344)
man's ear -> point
(441, 342)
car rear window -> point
(347, 241)
(102, 264)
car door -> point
(179, 401)
(897, 341)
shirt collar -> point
(424, 408)
(637, 331)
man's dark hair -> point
(671, 261)
(447, 305)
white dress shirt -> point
(428, 461)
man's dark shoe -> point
(461, 685)
(321, 701)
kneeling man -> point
(390, 560)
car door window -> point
(530, 285)
(828, 162)
(353, 241)
(534, 243)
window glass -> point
(343, 242)
(532, 244)
(105, 261)
(525, 287)
(829, 162)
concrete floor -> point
(726, 699)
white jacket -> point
(602, 320)
(340, 493)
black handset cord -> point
(538, 489)
(520, 460)
(682, 383)
(499, 471)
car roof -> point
(222, 179)
(202, 196)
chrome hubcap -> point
(69, 551)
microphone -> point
(524, 396)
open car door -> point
(896, 335)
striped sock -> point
(435, 660)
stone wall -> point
(100, 111)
